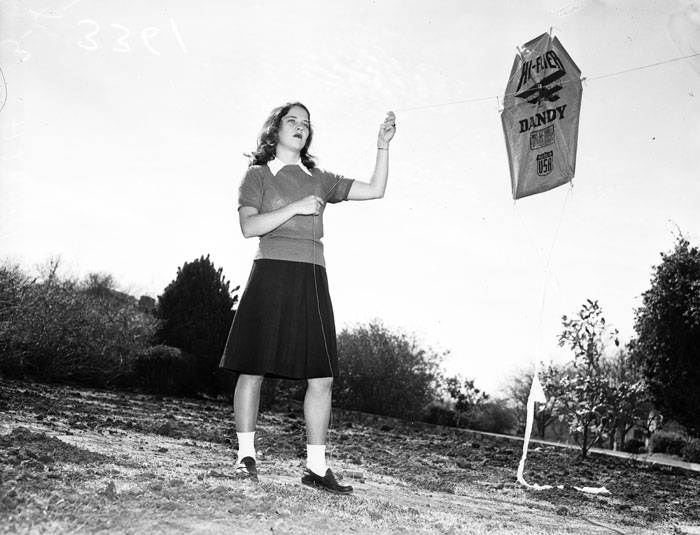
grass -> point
(87, 461)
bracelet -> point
(382, 148)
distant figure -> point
(284, 325)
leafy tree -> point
(196, 310)
(584, 396)
(552, 378)
(463, 394)
(384, 372)
(100, 285)
(668, 335)
(518, 392)
(628, 400)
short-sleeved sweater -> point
(299, 238)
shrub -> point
(59, 329)
(666, 442)
(439, 414)
(691, 450)
(13, 286)
(490, 416)
(163, 370)
(196, 310)
(634, 445)
(384, 372)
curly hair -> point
(269, 137)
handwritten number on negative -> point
(88, 43)
(123, 45)
(23, 54)
(146, 35)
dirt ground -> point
(75, 460)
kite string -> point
(547, 270)
(599, 77)
(318, 303)
(658, 63)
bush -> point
(634, 445)
(490, 416)
(439, 414)
(196, 310)
(13, 286)
(666, 442)
(60, 329)
(163, 370)
(691, 450)
(384, 373)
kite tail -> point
(536, 395)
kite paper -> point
(540, 116)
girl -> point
(284, 324)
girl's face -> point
(294, 129)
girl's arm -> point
(361, 191)
(254, 223)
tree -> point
(463, 394)
(384, 372)
(197, 310)
(628, 400)
(584, 394)
(518, 392)
(668, 335)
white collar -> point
(277, 164)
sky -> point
(125, 126)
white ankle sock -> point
(246, 445)
(316, 459)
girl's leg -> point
(246, 400)
(317, 412)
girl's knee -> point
(320, 384)
(249, 381)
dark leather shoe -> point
(247, 468)
(328, 482)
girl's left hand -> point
(386, 131)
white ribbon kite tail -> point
(536, 395)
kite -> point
(540, 116)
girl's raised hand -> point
(310, 205)
(386, 131)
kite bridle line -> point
(537, 393)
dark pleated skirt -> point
(277, 330)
